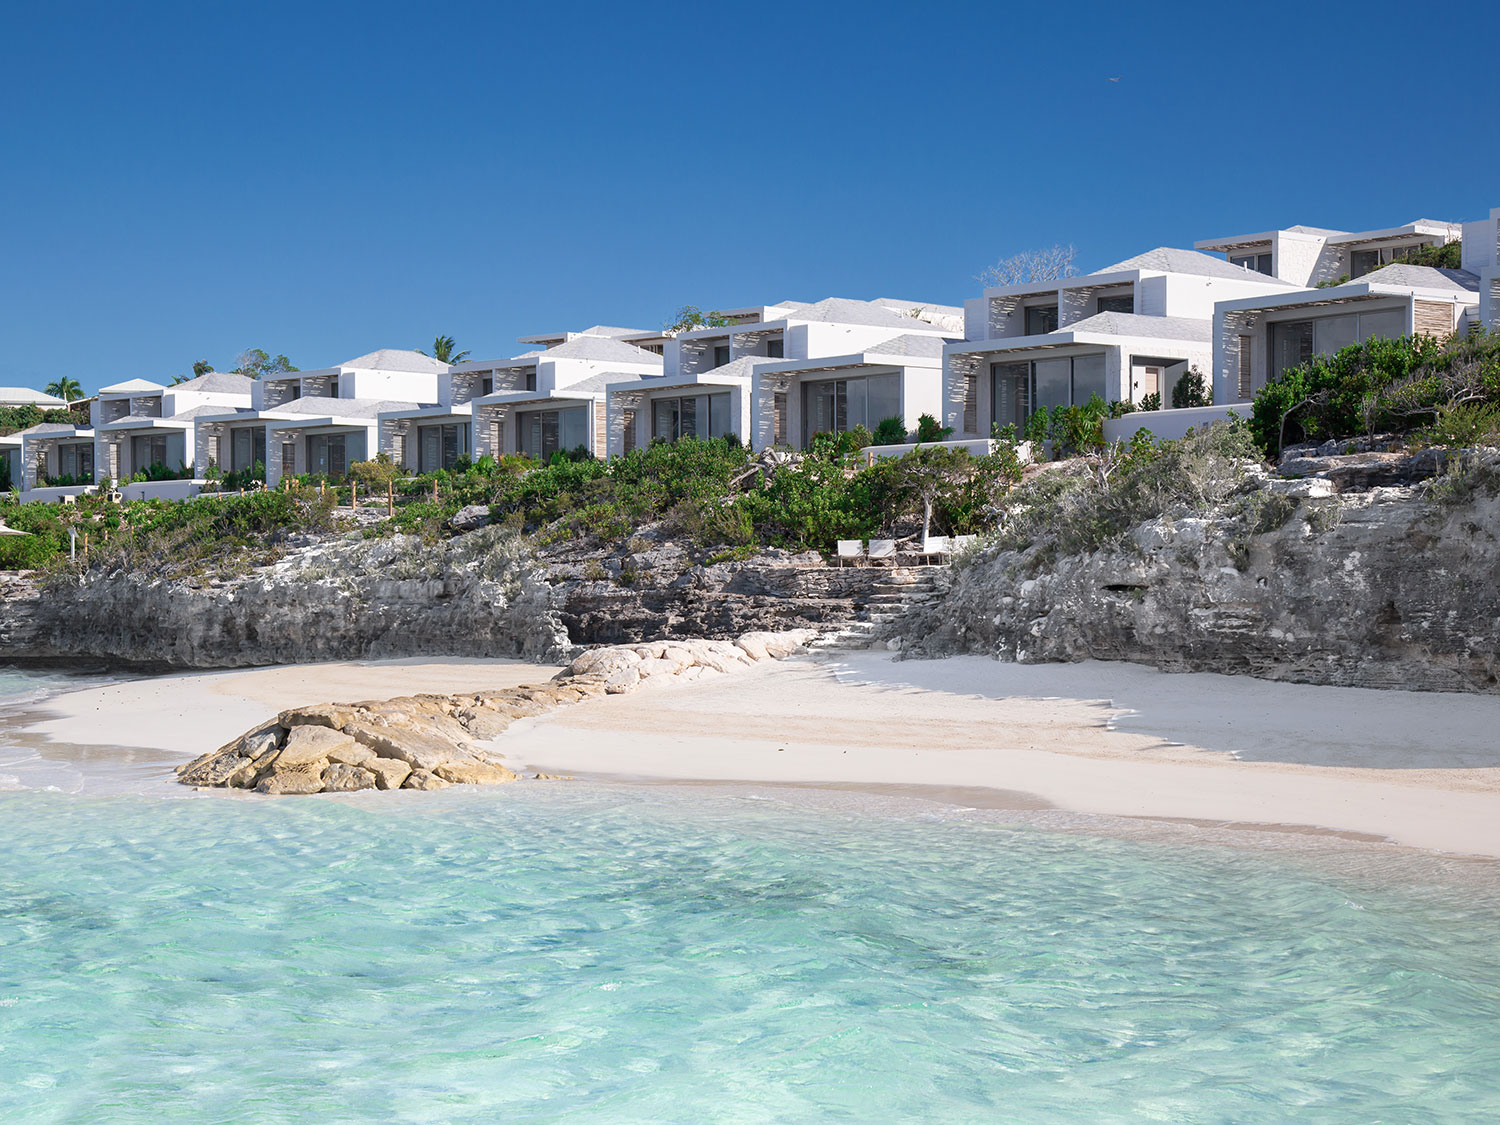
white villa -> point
(139, 424)
(1308, 256)
(319, 421)
(1481, 256)
(548, 400)
(1258, 338)
(754, 377)
(1122, 333)
(46, 452)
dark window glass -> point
(1041, 320)
(1119, 304)
(775, 349)
(721, 355)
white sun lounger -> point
(935, 546)
(851, 550)
(882, 549)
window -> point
(1362, 262)
(839, 405)
(487, 385)
(545, 432)
(721, 354)
(1244, 389)
(440, 447)
(1011, 395)
(288, 458)
(1121, 303)
(778, 417)
(293, 390)
(776, 349)
(1296, 342)
(76, 460)
(148, 450)
(702, 416)
(1041, 319)
(1260, 263)
(328, 454)
(1061, 381)
(247, 446)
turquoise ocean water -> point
(593, 953)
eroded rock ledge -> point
(431, 741)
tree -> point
(1050, 264)
(691, 316)
(201, 367)
(1192, 389)
(65, 388)
(442, 350)
(255, 363)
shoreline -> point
(1198, 750)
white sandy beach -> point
(1416, 768)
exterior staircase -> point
(897, 591)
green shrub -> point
(1191, 389)
(930, 429)
(1464, 425)
(1151, 401)
(890, 431)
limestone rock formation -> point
(1394, 587)
(428, 741)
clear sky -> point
(184, 181)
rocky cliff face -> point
(1384, 587)
(476, 595)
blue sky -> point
(184, 181)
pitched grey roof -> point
(603, 348)
(842, 310)
(134, 386)
(1134, 324)
(26, 394)
(909, 345)
(1315, 230)
(1424, 277)
(206, 411)
(598, 384)
(396, 359)
(611, 331)
(1168, 259)
(320, 405)
(47, 429)
(899, 303)
(219, 382)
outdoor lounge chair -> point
(881, 549)
(935, 546)
(851, 550)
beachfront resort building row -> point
(1238, 309)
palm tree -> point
(65, 388)
(442, 351)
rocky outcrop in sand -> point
(1368, 587)
(431, 741)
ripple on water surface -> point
(636, 955)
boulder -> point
(621, 681)
(389, 773)
(306, 744)
(475, 773)
(342, 778)
(333, 715)
(424, 779)
(216, 771)
(355, 754)
(418, 748)
(471, 517)
(305, 777)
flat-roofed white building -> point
(320, 421)
(1122, 333)
(1481, 257)
(1309, 256)
(140, 425)
(709, 386)
(550, 400)
(1256, 339)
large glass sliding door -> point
(1011, 393)
(839, 405)
(440, 447)
(545, 432)
(702, 416)
(1294, 342)
(247, 446)
(1019, 388)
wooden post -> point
(390, 499)
(353, 496)
(434, 491)
(85, 545)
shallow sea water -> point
(596, 953)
